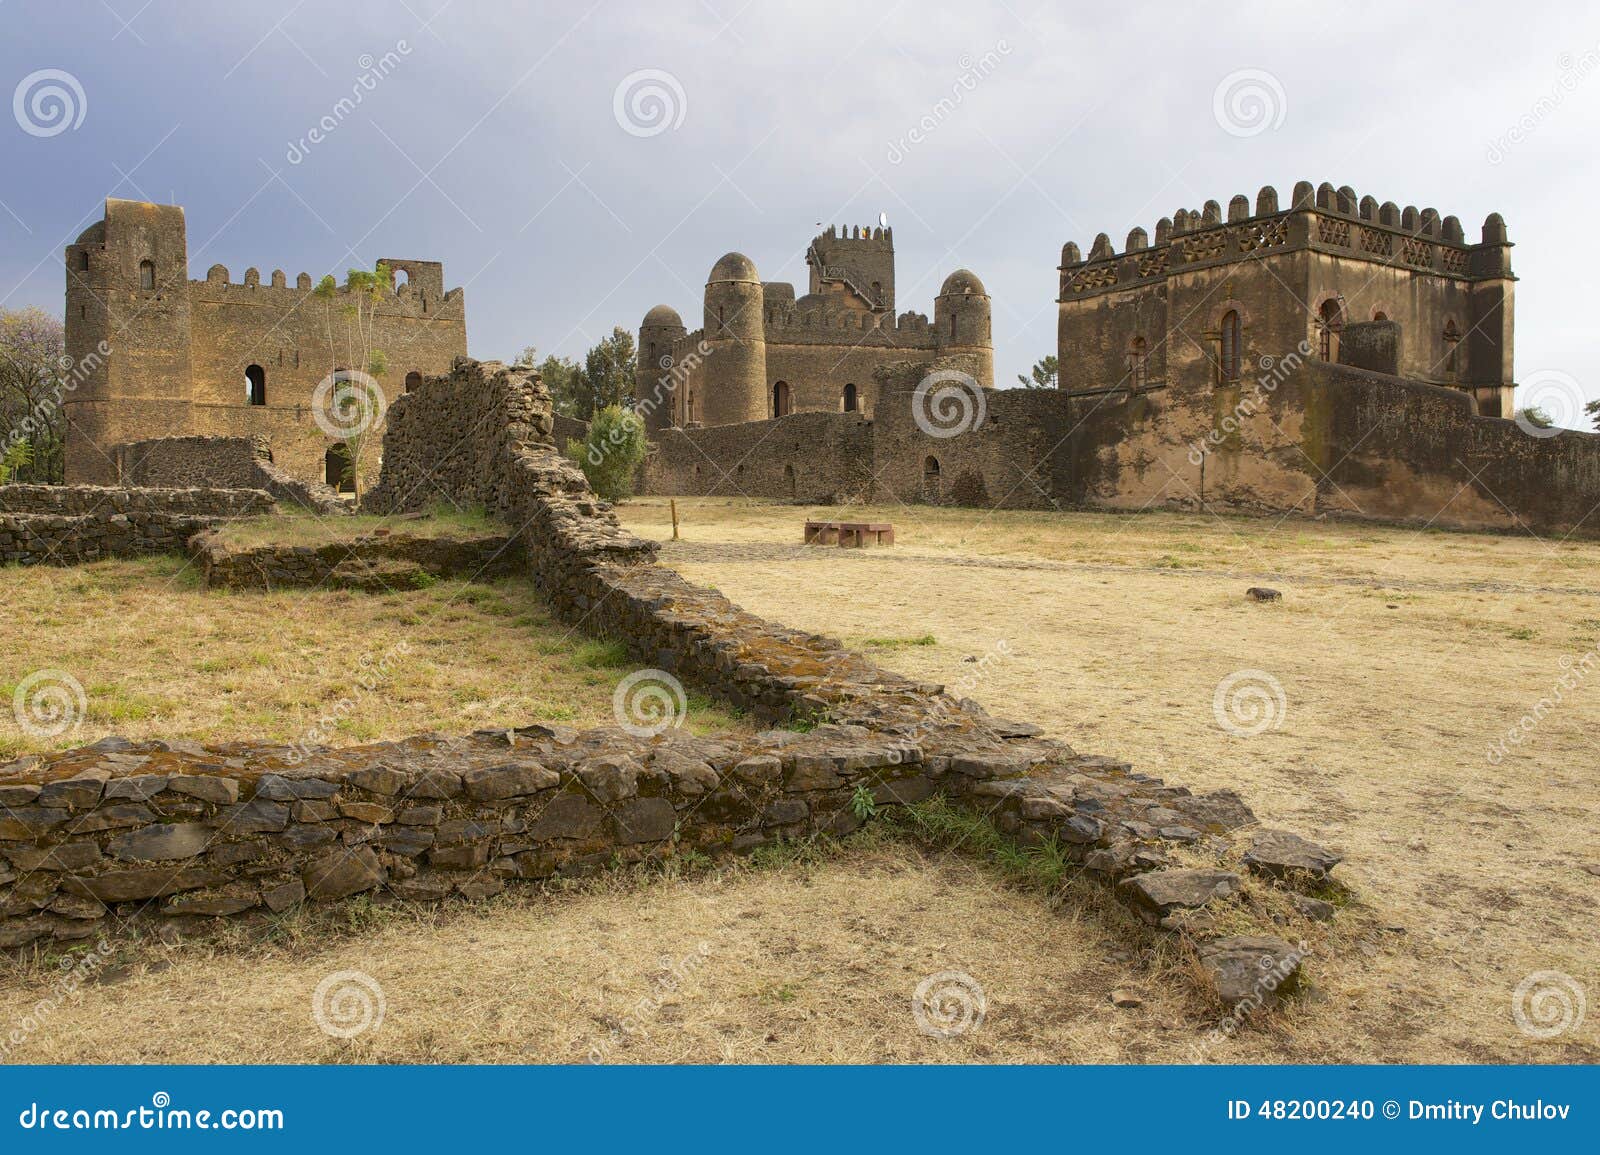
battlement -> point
(1323, 218)
(871, 234)
(413, 297)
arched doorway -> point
(930, 480)
(782, 404)
(336, 468)
(255, 385)
(413, 379)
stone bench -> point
(850, 534)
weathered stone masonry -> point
(67, 524)
(117, 830)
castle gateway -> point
(164, 356)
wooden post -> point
(674, 504)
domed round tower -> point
(654, 382)
(735, 335)
(961, 323)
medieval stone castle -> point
(762, 353)
(1332, 356)
(165, 356)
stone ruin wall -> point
(68, 524)
(1319, 439)
(816, 458)
(94, 837)
(1311, 438)
(223, 463)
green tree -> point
(607, 374)
(1043, 375)
(612, 452)
(1536, 417)
(564, 378)
(1593, 410)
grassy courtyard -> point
(1403, 659)
(158, 657)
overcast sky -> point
(495, 141)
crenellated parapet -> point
(421, 295)
(1323, 219)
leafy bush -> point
(612, 452)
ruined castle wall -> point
(1005, 460)
(223, 462)
(299, 339)
(1314, 438)
(812, 458)
(68, 524)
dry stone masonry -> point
(385, 560)
(67, 524)
(97, 836)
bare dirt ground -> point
(1403, 658)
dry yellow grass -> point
(1469, 875)
(1399, 675)
(157, 657)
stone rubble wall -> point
(115, 830)
(223, 462)
(68, 524)
(376, 563)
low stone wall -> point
(68, 524)
(223, 462)
(110, 833)
(378, 562)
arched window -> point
(1330, 323)
(1229, 361)
(402, 278)
(147, 274)
(850, 398)
(1380, 315)
(1138, 359)
(877, 292)
(413, 379)
(1452, 341)
(930, 479)
(952, 326)
(255, 384)
(782, 404)
(83, 260)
